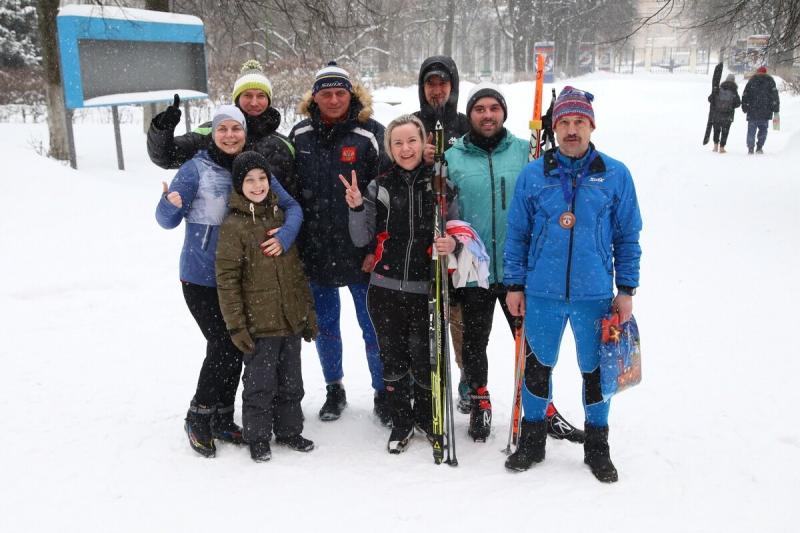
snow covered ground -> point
(100, 356)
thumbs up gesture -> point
(352, 195)
(172, 197)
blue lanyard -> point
(569, 192)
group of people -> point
(759, 101)
(275, 226)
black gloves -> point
(169, 118)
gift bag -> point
(776, 121)
(620, 356)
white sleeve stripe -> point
(369, 135)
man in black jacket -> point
(338, 137)
(759, 101)
(252, 94)
(438, 101)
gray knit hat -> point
(227, 112)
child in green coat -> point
(266, 302)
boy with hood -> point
(266, 303)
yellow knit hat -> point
(252, 77)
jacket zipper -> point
(410, 229)
(571, 235)
(253, 212)
(503, 192)
(494, 224)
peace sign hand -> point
(352, 195)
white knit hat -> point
(252, 77)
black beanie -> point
(244, 163)
(482, 90)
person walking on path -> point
(760, 100)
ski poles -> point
(520, 352)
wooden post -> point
(73, 157)
(117, 137)
(186, 116)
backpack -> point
(725, 99)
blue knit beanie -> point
(330, 77)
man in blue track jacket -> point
(573, 231)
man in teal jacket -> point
(573, 232)
(484, 164)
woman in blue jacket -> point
(199, 195)
(573, 230)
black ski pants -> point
(222, 366)
(273, 389)
(401, 323)
(477, 308)
(721, 130)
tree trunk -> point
(448, 29)
(148, 111)
(46, 11)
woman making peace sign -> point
(397, 214)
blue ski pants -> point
(545, 321)
(763, 127)
(329, 339)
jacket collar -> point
(598, 166)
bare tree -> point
(46, 11)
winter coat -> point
(724, 102)
(760, 98)
(578, 263)
(269, 296)
(455, 124)
(486, 183)
(398, 212)
(204, 187)
(168, 151)
(323, 152)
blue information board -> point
(115, 56)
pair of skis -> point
(520, 346)
(439, 320)
(715, 79)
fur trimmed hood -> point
(361, 96)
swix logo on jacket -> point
(348, 154)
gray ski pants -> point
(273, 389)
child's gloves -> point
(242, 339)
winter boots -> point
(224, 428)
(531, 446)
(480, 416)
(198, 429)
(399, 439)
(297, 443)
(596, 454)
(335, 402)
(716, 148)
(260, 451)
(559, 428)
(381, 408)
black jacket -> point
(398, 214)
(723, 102)
(760, 98)
(168, 151)
(323, 153)
(455, 124)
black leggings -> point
(721, 133)
(477, 309)
(222, 366)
